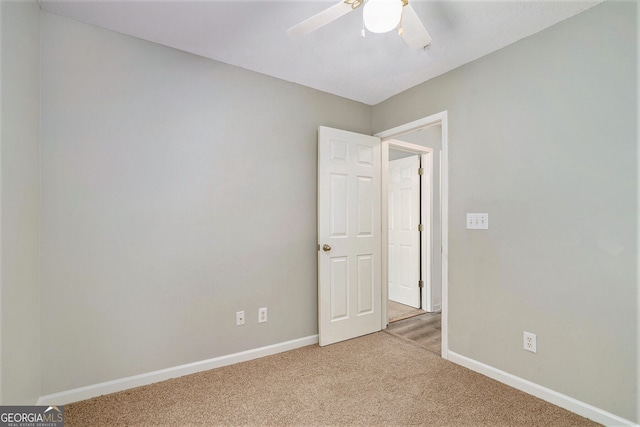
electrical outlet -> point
(529, 341)
(262, 315)
(239, 318)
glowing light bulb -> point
(381, 16)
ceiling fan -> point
(379, 16)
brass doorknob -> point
(326, 248)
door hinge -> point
(421, 283)
(420, 171)
(420, 227)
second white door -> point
(404, 235)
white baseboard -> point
(95, 390)
(558, 399)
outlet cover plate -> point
(262, 315)
(529, 341)
(239, 318)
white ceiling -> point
(335, 58)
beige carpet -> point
(373, 380)
(397, 311)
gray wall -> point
(20, 193)
(543, 138)
(175, 191)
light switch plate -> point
(478, 221)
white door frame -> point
(385, 136)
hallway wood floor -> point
(423, 330)
(397, 311)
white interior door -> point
(404, 235)
(349, 235)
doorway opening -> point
(426, 138)
(353, 260)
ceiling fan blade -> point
(414, 32)
(321, 19)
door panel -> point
(339, 288)
(365, 191)
(349, 285)
(339, 205)
(366, 286)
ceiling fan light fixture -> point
(381, 16)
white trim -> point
(442, 119)
(100, 389)
(444, 221)
(384, 236)
(569, 403)
(444, 227)
(408, 146)
(414, 125)
(426, 209)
